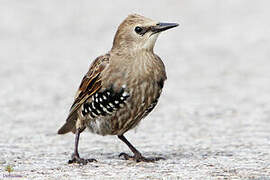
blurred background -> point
(216, 99)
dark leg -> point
(75, 157)
(137, 155)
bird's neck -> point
(141, 62)
(132, 52)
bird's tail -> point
(70, 124)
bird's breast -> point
(142, 81)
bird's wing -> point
(90, 84)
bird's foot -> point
(140, 158)
(77, 159)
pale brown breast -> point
(142, 89)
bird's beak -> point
(162, 27)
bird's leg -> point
(75, 157)
(137, 155)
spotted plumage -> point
(105, 103)
(121, 87)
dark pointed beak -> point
(162, 27)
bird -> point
(121, 87)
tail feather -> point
(70, 124)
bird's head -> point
(138, 33)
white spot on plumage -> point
(104, 109)
(100, 99)
(110, 104)
(85, 109)
(125, 94)
(116, 102)
(104, 97)
(94, 114)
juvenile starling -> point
(121, 87)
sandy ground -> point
(212, 121)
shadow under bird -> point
(121, 87)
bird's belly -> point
(100, 126)
(116, 124)
(142, 102)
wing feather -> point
(90, 84)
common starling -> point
(121, 87)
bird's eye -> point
(138, 29)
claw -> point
(77, 159)
(126, 156)
(140, 158)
